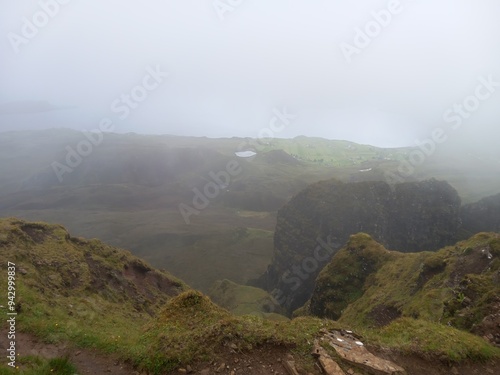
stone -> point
(349, 351)
(290, 367)
(329, 366)
(221, 368)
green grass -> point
(364, 281)
(185, 329)
(427, 290)
(342, 281)
(59, 308)
(30, 365)
(431, 340)
(191, 328)
(78, 291)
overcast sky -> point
(232, 67)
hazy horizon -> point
(224, 71)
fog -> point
(227, 65)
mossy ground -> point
(78, 291)
(184, 329)
(430, 340)
(369, 286)
(416, 303)
(191, 328)
(37, 366)
(59, 302)
(455, 286)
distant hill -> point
(126, 189)
(279, 157)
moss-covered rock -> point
(366, 285)
(414, 216)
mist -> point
(229, 66)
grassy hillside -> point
(366, 285)
(69, 289)
(86, 294)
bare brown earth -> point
(87, 361)
(415, 365)
(264, 361)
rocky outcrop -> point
(352, 351)
(310, 229)
(368, 285)
(482, 216)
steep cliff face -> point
(483, 215)
(310, 229)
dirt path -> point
(417, 366)
(87, 361)
(91, 362)
(261, 361)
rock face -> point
(482, 216)
(315, 223)
(368, 285)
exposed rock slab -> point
(329, 366)
(352, 351)
(290, 367)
